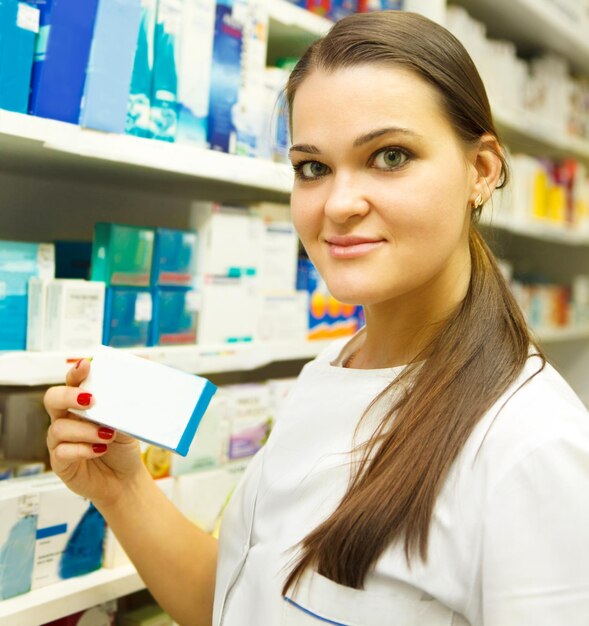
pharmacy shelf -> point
(48, 368)
(69, 596)
(534, 25)
(554, 335)
(536, 230)
(533, 136)
(32, 145)
(292, 29)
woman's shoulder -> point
(539, 413)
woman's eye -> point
(390, 158)
(311, 169)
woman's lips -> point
(351, 247)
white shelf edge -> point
(292, 16)
(536, 230)
(525, 124)
(553, 335)
(69, 596)
(22, 368)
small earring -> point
(477, 202)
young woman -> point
(434, 469)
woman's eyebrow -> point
(379, 132)
(359, 141)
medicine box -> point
(122, 254)
(231, 240)
(283, 317)
(70, 534)
(70, 320)
(203, 496)
(61, 58)
(20, 261)
(250, 418)
(164, 95)
(108, 77)
(209, 449)
(328, 318)
(225, 76)
(155, 403)
(229, 310)
(139, 105)
(127, 317)
(194, 70)
(175, 257)
(73, 259)
(18, 526)
(175, 316)
(19, 23)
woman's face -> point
(383, 188)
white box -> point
(203, 496)
(74, 315)
(231, 239)
(284, 317)
(194, 70)
(70, 534)
(153, 402)
(209, 448)
(36, 313)
(229, 310)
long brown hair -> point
(478, 353)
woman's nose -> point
(346, 199)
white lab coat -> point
(509, 540)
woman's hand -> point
(93, 461)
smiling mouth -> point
(352, 249)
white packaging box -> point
(74, 315)
(231, 239)
(70, 534)
(203, 496)
(250, 419)
(19, 510)
(132, 394)
(209, 448)
(194, 70)
(280, 252)
(36, 313)
(229, 310)
(114, 555)
(284, 317)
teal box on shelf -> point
(128, 315)
(108, 78)
(164, 95)
(175, 316)
(20, 261)
(174, 257)
(73, 259)
(61, 58)
(138, 121)
(122, 254)
(19, 23)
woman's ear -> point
(488, 166)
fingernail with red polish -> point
(78, 363)
(84, 399)
(99, 447)
(106, 433)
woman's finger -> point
(78, 373)
(59, 400)
(79, 431)
(67, 453)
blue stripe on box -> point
(51, 531)
(199, 410)
(318, 617)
